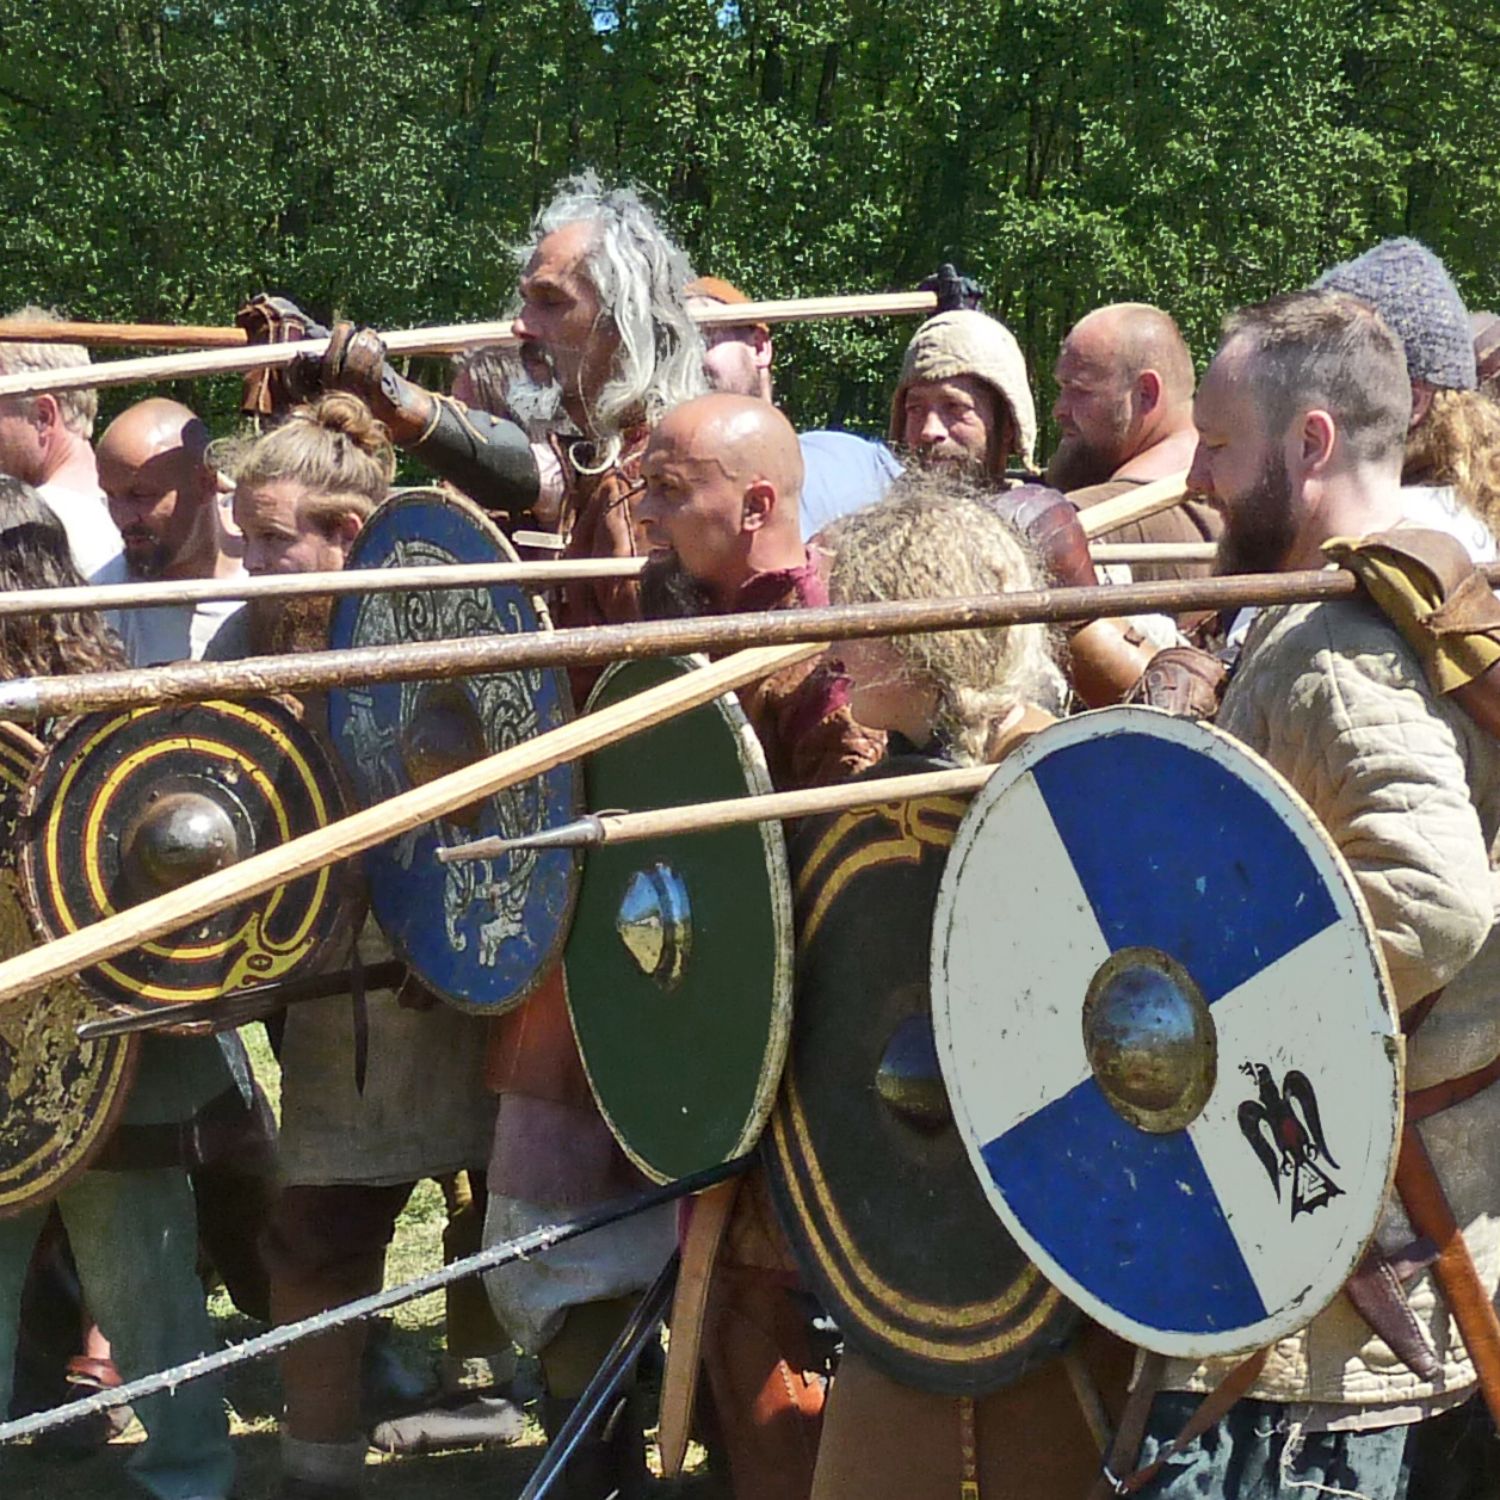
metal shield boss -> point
(870, 1178)
(478, 934)
(1166, 1031)
(129, 805)
(59, 1097)
(679, 964)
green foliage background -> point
(377, 158)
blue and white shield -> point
(1166, 1031)
(482, 933)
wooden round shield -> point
(479, 933)
(679, 963)
(869, 1175)
(61, 1096)
(128, 805)
(1165, 1026)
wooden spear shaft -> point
(28, 699)
(123, 335)
(1160, 495)
(702, 817)
(386, 820)
(541, 575)
(441, 340)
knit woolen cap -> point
(1411, 289)
(970, 343)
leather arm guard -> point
(486, 457)
(1049, 522)
(356, 362)
(1424, 582)
(489, 459)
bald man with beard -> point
(723, 475)
(720, 516)
(1125, 410)
(163, 494)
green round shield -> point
(679, 962)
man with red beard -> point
(963, 402)
(1302, 421)
(1125, 410)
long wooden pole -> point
(123, 335)
(386, 820)
(702, 817)
(542, 575)
(440, 340)
(28, 699)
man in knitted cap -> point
(1124, 409)
(963, 401)
(842, 472)
(1451, 477)
(963, 397)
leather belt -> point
(175, 1143)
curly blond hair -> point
(333, 447)
(1458, 443)
(933, 537)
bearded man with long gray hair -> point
(607, 348)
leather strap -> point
(1427, 1207)
(968, 1450)
(679, 1384)
(1214, 1406)
(1377, 1294)
(1423, 1103)
(177, 1143)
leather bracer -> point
(486, 457)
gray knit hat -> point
(1411, 289)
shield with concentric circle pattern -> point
(128, 805)
(869, 1175)
(59, 1097)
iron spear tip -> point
(579, 834)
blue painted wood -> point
(480, 952)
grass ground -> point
(254, 1396)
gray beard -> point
(537, 408)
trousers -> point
(135, 1240)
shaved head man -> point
(162, 492)
(723, 475)
(1125, 411)
(719, 514)
(1124, 398)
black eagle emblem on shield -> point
(1285, 1131)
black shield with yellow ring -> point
(59, 1097)
(870, 1177)
(130, 805)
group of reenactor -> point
(1362, 407)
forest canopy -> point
(378, 159)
